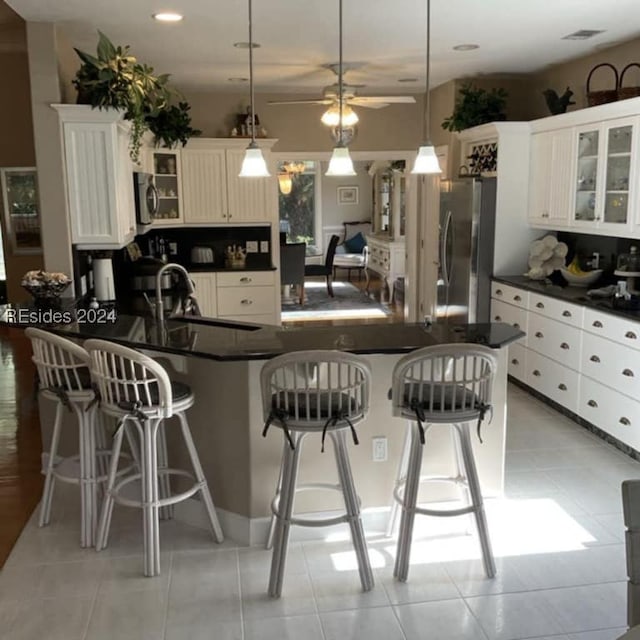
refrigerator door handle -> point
(446, 259)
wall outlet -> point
(379, 449)
(173, 248)
(251, 246)
(264, 246)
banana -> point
(574, 267)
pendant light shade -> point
(285, 183)
(340, 163)
(253, 165)
(426, 161)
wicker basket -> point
(627, 92)
(602, 97)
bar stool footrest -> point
(118, 498)
(68, 469)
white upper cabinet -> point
(99, 176)
(204, 185)
(550, 178)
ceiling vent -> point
(583, 34)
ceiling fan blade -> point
(311, 101)
(367, 101)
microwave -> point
(146, 197)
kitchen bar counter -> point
(222, 363)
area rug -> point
(348, 302)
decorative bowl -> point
(44, 286)
(582, 280)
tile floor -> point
(557, 535)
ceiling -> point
(383, 41)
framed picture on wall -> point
(347, 195)
(21, 209)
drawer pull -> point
(564, 346)
(594, 359)
(515, 361)
(625, 421)
(562, 386)
(536, 373)
(593, 403)
(628, 373)
(516, 325)
(246, 301)
(597, 323)
(517, 298)
(498, 319)
(498, 292)
(631, 335)
(539, 305)
(246, 279)
(566, 314)
(539, 334)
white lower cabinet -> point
(554, 339)
(205, 284)
(552, 379)
(517, 361)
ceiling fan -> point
(350, 97)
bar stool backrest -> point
(312, 386)
(61, 363)
(448, 383)
(127, 379)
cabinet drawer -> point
(612, 412)
(511, 295)
(517, 361)
(245, 278)
(503, 312)
(553, 380)
(612, 364)
(555, 340)
(626, 332)
(245, 301)
(556, 309)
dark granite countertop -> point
(212, 267)
(217, 340)
(576, 295)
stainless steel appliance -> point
(146, 197)
(467, 227)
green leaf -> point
(106, 49)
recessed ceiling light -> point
(238, 80)
(466, 47)
(582, 34)
(407, 79)
(168, 16)
(245, 45)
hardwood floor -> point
(20, 441)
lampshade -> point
(285, 183)
(331, 117)
(426, 161)
(340, 163)
(253, 164)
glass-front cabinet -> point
(166, 169)
(389, 200)
(604, 164)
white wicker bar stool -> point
(322, 392)
(135, 389)
(451, 385)
(63, 377)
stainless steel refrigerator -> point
(467, 225)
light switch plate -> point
(264, 246)
(251, 246)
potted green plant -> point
(476, 106)
(115, 79)
(171, 125)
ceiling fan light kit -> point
(426, 161)
(331, 117)
(253, 164)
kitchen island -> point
(222, 362)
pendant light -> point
(253, 164)
(340, 163)
(426, 161)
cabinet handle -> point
(566, 314)
(597, 323)
(562, 386)
(246, 301)
(517, 298)
(594, 359)
(625, 421)
(564, 346)
(536, 373)
(498, 319)
(498, 292)
(246, 279)
(230, 216)
(631, 335)
(516, 325)
(539, 334)
(628, 373)
(515, 361)
(593, 403)
(540, 305)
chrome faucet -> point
(190, 304)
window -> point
(298, 216)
